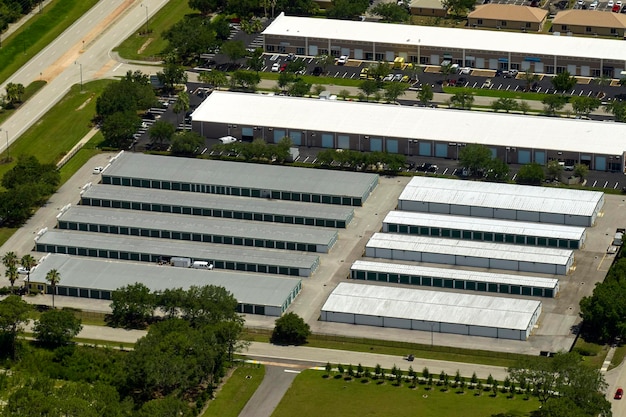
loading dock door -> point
(434, 59)
(312, 50)
(539, 67)
(493, 64)
(571, 69)
(358, 54)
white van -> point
(202, 265)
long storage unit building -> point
(458, 279)
(147, 249)
(213, 205)
(97, 279)
(197, 229)
(470, 253)
(502, 201)
(484, 229)
(240, 179)
(434, 311)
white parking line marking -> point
(605, 184)
(514, 176)
(615, 186)
(444, 171)
(594, 183)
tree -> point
(161, 132)
(324, 61)
(425, 94)
(28, 262)
(53, 277)
(530, 79)
(458, 8)
(9, 259)
(524, 107)
(290, 329)
(554, 170)
(395, 90)
(344, 94)
(391, 12)
(172, 75)
(132, 305)
(617, 109)
(57, 327)
(504, 103)
(581, 171)
(379, 71)
(498, 170)
(318, 89)
(563, 82)
(215, 78)
(347, 9)
(28, 171)
(284, 79)
(299, 88)
(584, 105)
(210, 305)
(553, 103)
(368, 87)
(328, 368)
(189, 38)
(234, 50)
(247, 80)
(207, 7)
(118, 129)
(187, 143)
(132, 93)
(12, 274)
(463, 99)
(475, 157)
(531, 174)
(297, 7)
(14, 93)
(255, 60)
(182, 104)
(13, 314)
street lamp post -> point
(432, 329)
(146, 7)
(81, 74)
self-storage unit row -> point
(502, 201)
(470, 253)
(197, 229)
(144, 249)
(240, 179)
(458, 279)
(433, 311)
(484, 230)
(98, 279)
(212, 205)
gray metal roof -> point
(504, 196)
(240, 174)
(433, 306)
(168, 247)
(195, 224)
(485, 225)
(247, 288)
(217, 201)
(471, 248)
(458, 274)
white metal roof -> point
(241, 174)
(503, 196)
(432, 306)
(458, 274)
(470, 248)
(480, 224)
(169, 247)
(447, 38)
(425, 123)
(247, 288)
(217, 201)
(151, 220)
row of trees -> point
(12, 10)
(27, 186)
(257, 150)
(171, 371)
(390, 162)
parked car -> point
(405, 79)
(283, 67)
(623, 9)
(317, 71)
(343, 59)
(388, 77)
(510, 73)
(228, 139)
(610, 4)
(619, 394)
(97, 170)
(364, 73)
(275, 67)
(397, 77)
(291, 57)
(616, 8)
(465, 70)
(427, 167)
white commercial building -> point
(434, 311)
(470, 253)
(502, 201)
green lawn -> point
(313, 395)
(152, 45)
(497, 93)
(40, 30)
(234, 395)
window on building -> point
(270, 48)
(300, 51)
(613, 31)
(563, 27)
(528, 24)
(588, 29)
(503, 23)
(479, 21)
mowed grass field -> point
(233, 396)
(312, 395)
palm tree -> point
(53, 278)
(9, 259)
(530, 78)
(181, 105)
(28, 262)
(11, 274)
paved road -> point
(266, 398)
(81, 51)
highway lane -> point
(83, 51)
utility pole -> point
(146, 7)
